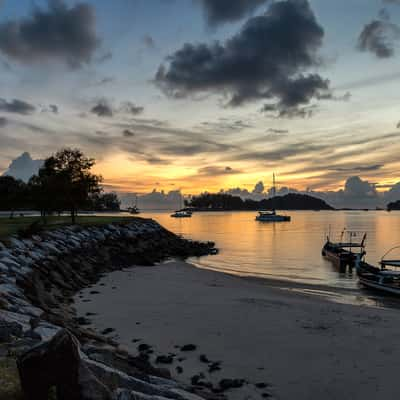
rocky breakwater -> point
(38, 325)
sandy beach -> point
(296, 346)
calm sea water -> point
(287, 250)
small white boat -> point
(181, 214)
(271, 216)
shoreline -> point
(359, 296)
(308, 347)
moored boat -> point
(181, 214)
(381, 278)
(271, 216)
(344, 253)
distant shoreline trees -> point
(223, 201)
(64, 183)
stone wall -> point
(38, 278)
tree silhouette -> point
(65, 182)
(13, 194)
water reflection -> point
(288, 250)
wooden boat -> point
(381, 278)
(344, 253)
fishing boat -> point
(344, 253)
(271, 216)
(382, 278)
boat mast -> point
(273, 185)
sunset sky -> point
(205, 94)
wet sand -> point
(301, 346)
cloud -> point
(53, 108)
(148, 41)
(128, 133)
(3, 121)
(16, 106)
(102, 109)
(267, 59)
(378, 37)
(130, 108)
(23, 167)
(58, 33)
(221, 11)
(214, 170)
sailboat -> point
(181, 213)
(271, 215)
(134, 209)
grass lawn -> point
(9, 226)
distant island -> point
(227, 202)
(395, 205)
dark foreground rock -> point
(61, 364)
(39, 277)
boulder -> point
(58, 363)
(9, 330)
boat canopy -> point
(348, 244)
(391, 263)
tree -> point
(13, 194)
(105, 202)
(65, 182)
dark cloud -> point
(278, 131)
(267, 59)
(106, 80)
(359, 168)
(102, 109)
(128, 133)
(131, 108)
(397, 2)
(104, 57)
(149, 42)
(213, 170)
(222, 11)
(378, 37)
(3, 121)
(57, 33)
(225, 125)
(16, 106)
(53, 108)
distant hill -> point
(395, 205)
(223, 201)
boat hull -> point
(378, 286)
(273, 218)
(339, 256)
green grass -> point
(11, 226)
(10, 387)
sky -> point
(203, 95)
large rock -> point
(58, 363)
